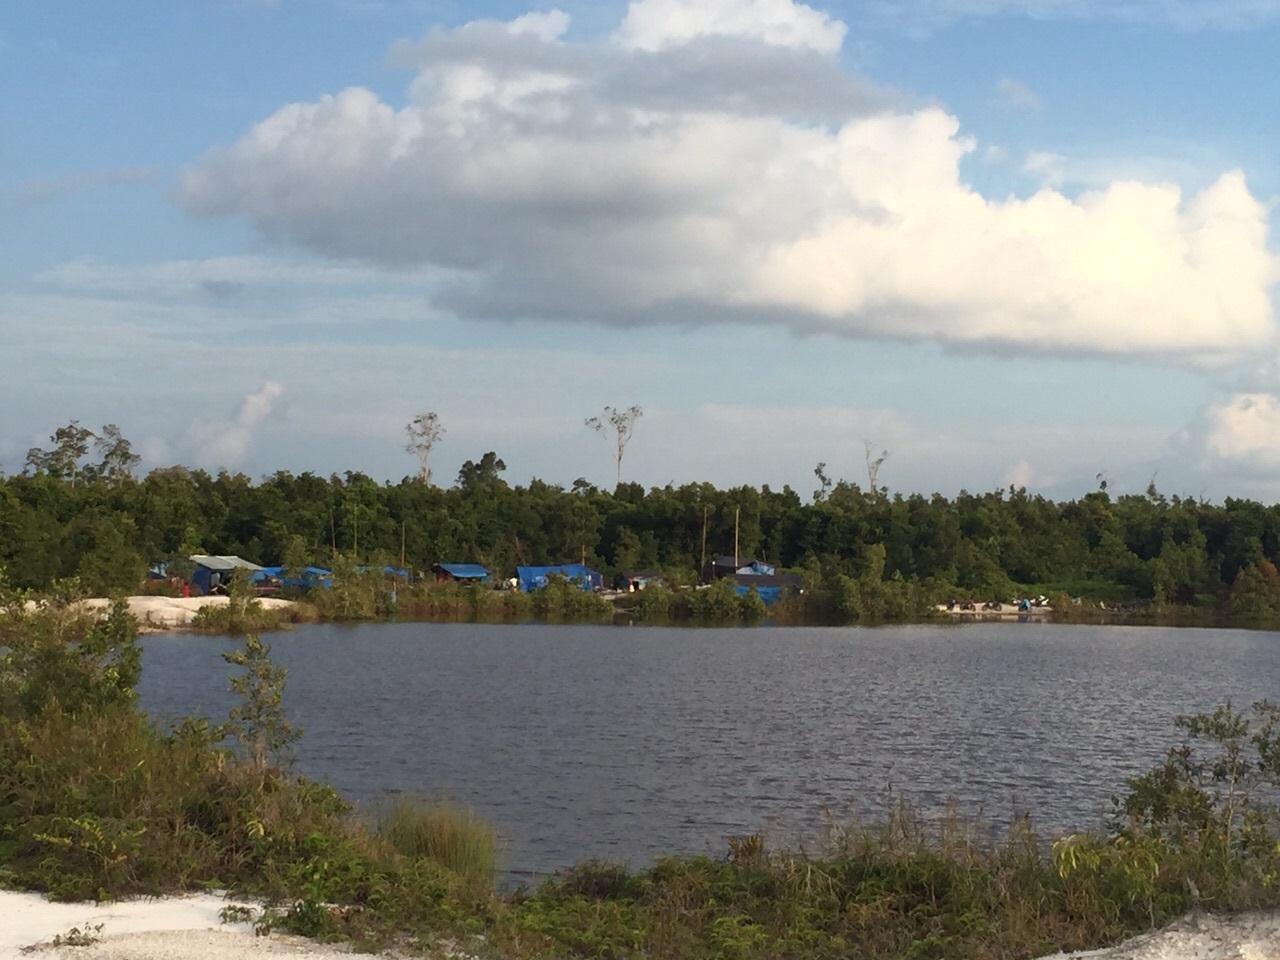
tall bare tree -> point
(424, 433)
(616, 425)
(874, 464)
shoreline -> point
(1007, 611)
(190, 928)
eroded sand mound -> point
(169, 613)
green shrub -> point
(439, 831)
(242, 614)
(654, 602)
(563, 599)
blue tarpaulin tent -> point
(308, 578)
(535, 578)
(771, 587)
(466, 572)
(770, 595)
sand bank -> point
(169, 613)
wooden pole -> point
(702, 572)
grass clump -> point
(438, 831)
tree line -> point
(80, 510)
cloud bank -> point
(712, 162)
(1190, 15)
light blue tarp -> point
(535, 578)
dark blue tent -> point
(309, 577)
(535, 578)
(465, 572)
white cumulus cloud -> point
(659, 24)
(727, 170)
(1246, 428)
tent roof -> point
(222, 564)
(463, 570)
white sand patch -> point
(189, 928)
(168, 613)
(165, 929)
(1247, 936)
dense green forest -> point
(80, 510)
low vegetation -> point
(97, 801)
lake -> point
(625, 743)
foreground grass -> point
(98, 802)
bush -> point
(242, 614)
(563, 599)
(438, 831)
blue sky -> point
(1007, 241)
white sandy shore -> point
(167, 929)
(170, 613)
(189, 928)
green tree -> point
(257, 721)
(71, 444)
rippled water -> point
(626, 743)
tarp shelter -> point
(462, 572)
(771, 587)
(728, 566)
(535, 578)
(213, 573)
(308, 578)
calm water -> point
(629, 742)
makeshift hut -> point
(460, 573)
(728, 566)
(213, 573)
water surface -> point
(626, 743)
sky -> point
(1004, 242)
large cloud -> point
(1245, 428)
(725, 168)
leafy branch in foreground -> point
(257, 722)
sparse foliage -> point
(424, 431)
(71, 444)
(874, 464)
(824, 482)
(118, 459)
(617, 425)
(257, 722)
